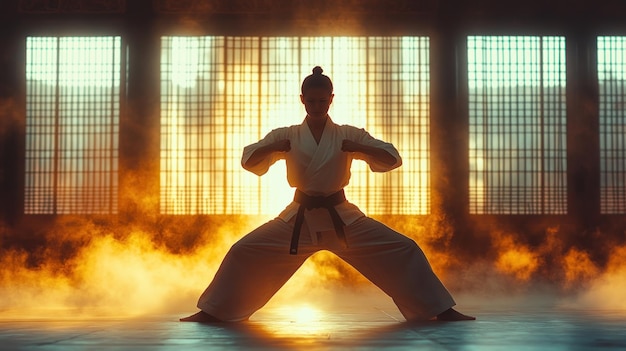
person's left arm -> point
(379, 155)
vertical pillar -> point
(449, 130)
(583, 147)
(12, 121)
(139, 121)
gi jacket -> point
(320, 169)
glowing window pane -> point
(612, 85)
(219, 94)
(517, 117)
(72, 123)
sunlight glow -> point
(517, 122)
(72, 124)
(299, 321)
(612, 101)
(185, 63)
(220, 94)
(306, 314)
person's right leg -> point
(254, 269)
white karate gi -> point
(259, 264)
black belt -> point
(310, 202)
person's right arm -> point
(263, 152)
(258, 157)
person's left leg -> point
(397, 265)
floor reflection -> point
(309, 327)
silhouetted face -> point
(317, 101)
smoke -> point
(606, 289)
(83, 268)
(141, 263)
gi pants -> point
(259, 264)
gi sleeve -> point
(376, 165)
(262, 167)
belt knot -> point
(311, 202)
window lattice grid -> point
(72, 125)
(517, 121)
(247, 86)
(612, 89)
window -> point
(517, 122)
(219, 94)
(612, 86)
(72, 122)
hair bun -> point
(317, 80)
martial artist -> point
(318, 154)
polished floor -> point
(301, 327)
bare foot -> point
(201, 317)
(453, 315)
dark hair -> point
(317, 80)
